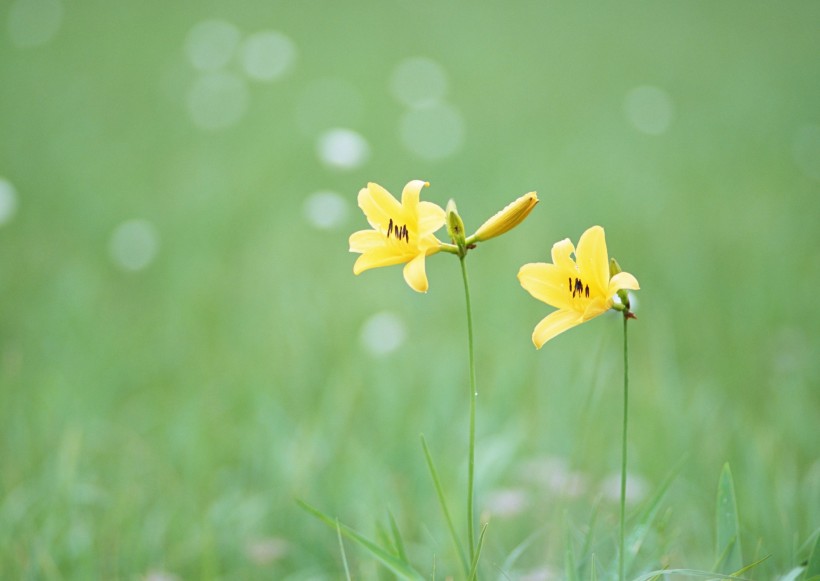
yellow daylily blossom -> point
(580, 289)
(402, 232)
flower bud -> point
(507, 219)
(455, 227)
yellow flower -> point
(402, 232)
(507, 219)
(581, 289)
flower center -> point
(399, 232)
(578, 287)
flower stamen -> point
(580, 288)
(400, 233)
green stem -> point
(473, 394)
(622, 559)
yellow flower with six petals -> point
(580, 289)
(402, 232)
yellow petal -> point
(410, 196)
(593, 260)
(431, 218)
(623, 280)
(561, 251)
(365, 240)
(415, 274)
(378, 257)
(597, 306)
(554, 324)
(547, 283)
(379, 206)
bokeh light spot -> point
(8, 201)
(217, 100)
(383, 333)
(328, 103)
(649, 109)
(211, 44)
(433, 132)
(418, 82)
(266, 56)
(806, 151)
(325, 210)
(134, 245)
(343, 148)
(34, 22)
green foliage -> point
(729, 555)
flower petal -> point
(597, 306)
(547, 283)
(415, 274)
(623, 280)
(431, 218)
(593, 261)
(410, 195)
(378, 257)
(365, 240)
(379, 206)
(554, 324)
(561, 251)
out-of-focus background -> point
(184, 348)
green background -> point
(163, 420)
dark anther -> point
(390, 228)
(579, 288)
(570, 283)
(586, 291)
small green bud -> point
(455, 228)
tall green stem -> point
(473, 394)
(621, 563)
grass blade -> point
(570, 566)
(729, 556)
(474, 568)
(443, 503)
(397, 540)
(646, 517)
(686, 573)
(812, 572)
(342, 549)
(401, 568)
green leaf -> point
(400, 567)
(729, 556)
(686, 573)
(443, 504)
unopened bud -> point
(507, 219)
(455, 227)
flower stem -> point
(621, 559)
(473, 394)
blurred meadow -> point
(184, 349)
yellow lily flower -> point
(402, 232)
(580, 289)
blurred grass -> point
(164, 420)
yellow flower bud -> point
(506, 219)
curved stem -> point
(621, 563)
(473, 394)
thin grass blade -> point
(474, 568)
(728, 553)
(570, 566)
(443, 504)
(812, 572)
(342, 549)
(401, 568)
(398, 542)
